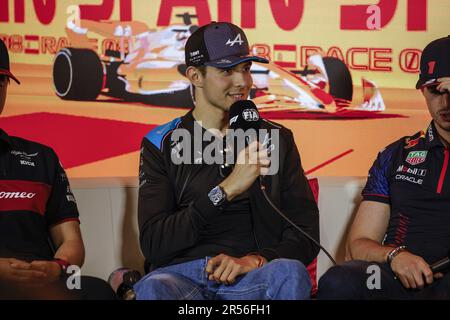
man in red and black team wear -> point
(39, 228)
(403, 222)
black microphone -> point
(122, 281)
(441, 265)
(243, 115)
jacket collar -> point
(188, 121)
(5, 139)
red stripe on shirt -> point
(19, 195)
(65, 220)
(443, 171)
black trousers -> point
(350, 281)
(91, 289)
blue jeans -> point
(280, 279)
(348, 281)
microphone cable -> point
(263, 189)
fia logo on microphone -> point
(250, 115)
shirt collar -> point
(187, 121)
(5, 138)
(432, 137)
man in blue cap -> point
(206, 235)
(402, 227)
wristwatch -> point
(217, 196)
(394, 253)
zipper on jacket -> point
(443, 171)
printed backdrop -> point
(98, 75)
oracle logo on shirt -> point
(21, 195)
(16, 195)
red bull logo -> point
(413, 142)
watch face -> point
(216, 195)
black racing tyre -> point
(77, 74)
(340, 79)
(116, 84)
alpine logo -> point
(238, 39)
(267, 140)
(16, 195)
(224, 61)
(416, 157)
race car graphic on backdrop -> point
(147, 66)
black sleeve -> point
(165, 230)
(299, 205)
(61, 205)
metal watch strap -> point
(217, 196)
(394, 252)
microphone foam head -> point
(244, 115)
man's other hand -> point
(20, 272)
(412, 270)
(224, 269)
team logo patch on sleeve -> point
(416, 157)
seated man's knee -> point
(96, 289)
(291, 268)
(151, 286)
(158, 286)
(293, 279)
(342, 281)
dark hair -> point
(202, 70)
